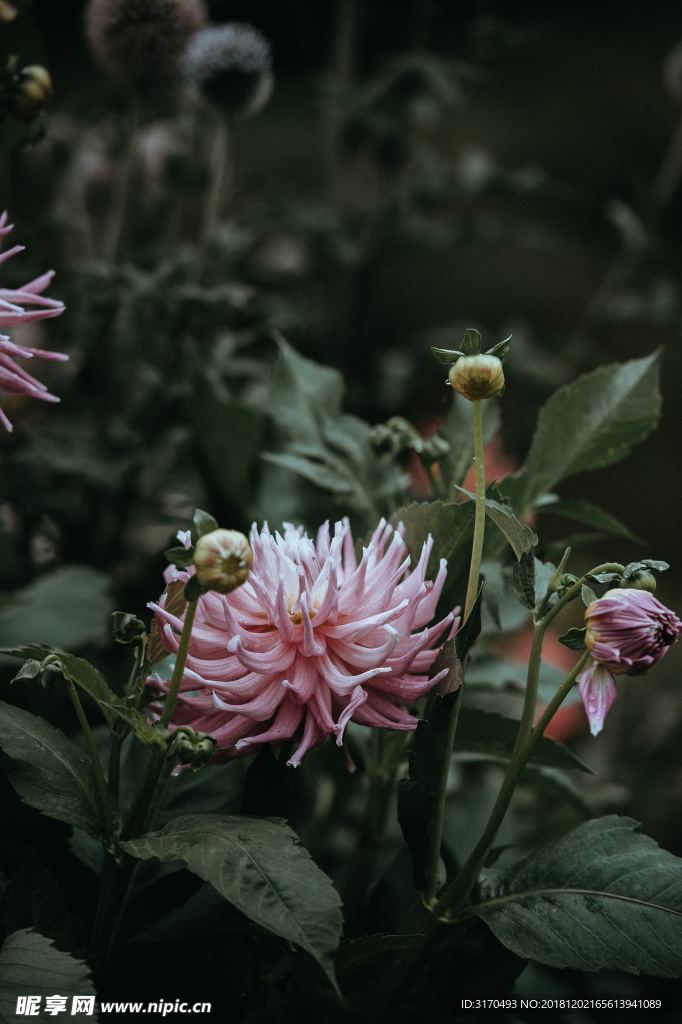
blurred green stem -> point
(121, 197)
(479, 520)
(219, 186)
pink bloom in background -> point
(313, 639)
(13, 313)
(628, 631)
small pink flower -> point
(13, 313)
(313, 638)
(628, 631)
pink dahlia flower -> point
(313, 639)
(13, 313)
(628, 631)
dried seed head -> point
(223, 560)
(142, 41)
(477, 377)
(232, 66)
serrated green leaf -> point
(522, 580)
(590, 423)
(519, 536)
(50, 773)
(494, 735)
(91, 681)
(589, 514)
(30, 965)
(316, 471)
(258, 865)
(603, 897)
(451, 526)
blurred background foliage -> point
(421, 167)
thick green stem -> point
(100, 782)
(479, 521)
(436, 836)
(456, 895)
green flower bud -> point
(194, 748)
(30, 93)
(642, 579)
(223, 560)
(477, 377)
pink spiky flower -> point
(628, 631)
(14, 313)
(313, 639)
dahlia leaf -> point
(67, 606)
(603, 897)
(34, 899)
(494, 735)
(203, 522)
(590, 423)
(91, 681)
(259, 866)
(418, 794)
(451, 526)
(50, 773)
(30, 963)
(522, 580)
(587, 513)
(520, 537)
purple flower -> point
(313, 638)
(13, 313)
(627, 631)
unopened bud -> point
(642, 579)
(223, 560)
(477, 377)
(31, 92)
(194, 748)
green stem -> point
(436, 835)
(156, 758)
(219, 185)
(114, 773)
(121, 197)
(479, 521)
(100, 782)
(456, 895)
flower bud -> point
(30, 93)
(193, 748)
(477, 377)
(223, 560)
(642, 579)
(232, 66)
(142, 41)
